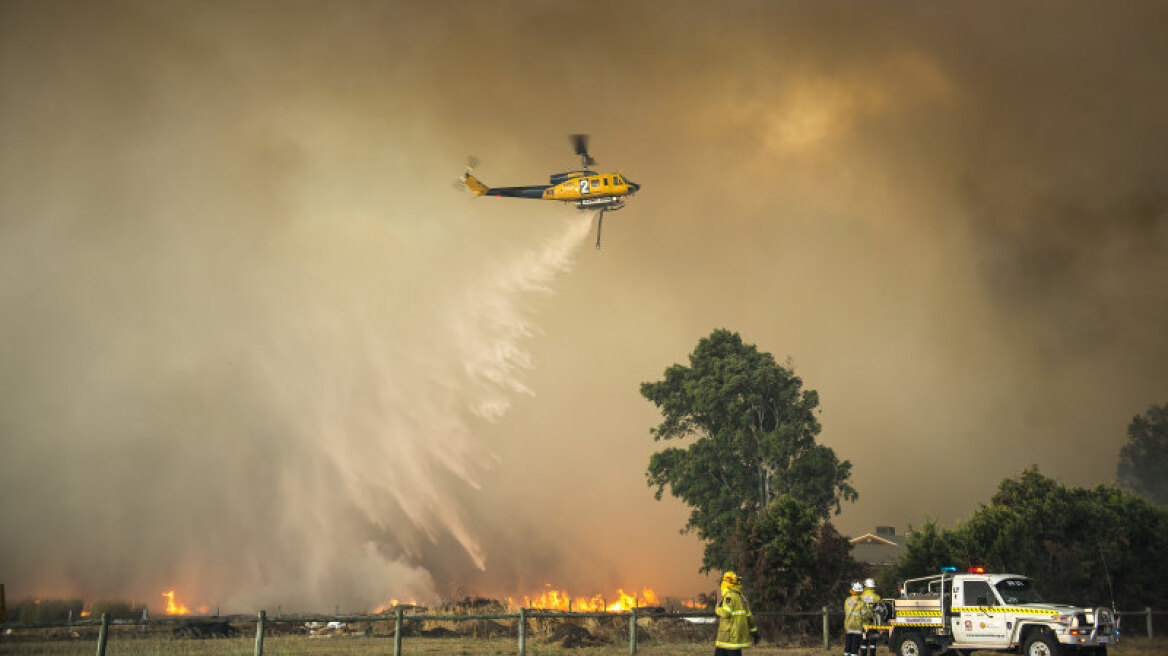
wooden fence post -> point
(3, 608)
(259, 646)
(397, 632)
(145, 616)
(633, 630)
(1151, 634)
(522, 631)
(826, 631)
(103, 634)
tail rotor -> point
(471, 163)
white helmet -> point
(857, 588)
(869, 583)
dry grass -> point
(124, 642)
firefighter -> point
(736, 629)
(856, 615)
(871, 598)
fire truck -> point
(963, 612)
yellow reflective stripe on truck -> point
(1005, 609)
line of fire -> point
(549, 599)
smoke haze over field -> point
(255, 348)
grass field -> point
(298, 645)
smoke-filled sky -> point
(255, 347)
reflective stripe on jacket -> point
(856, 614)
(735, 621)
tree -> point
(1084, 546)
(1144, 459)
(757, 483)
(777, 548)
(926, 551)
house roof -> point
(882, 548)
(872, 538)
(881, 555)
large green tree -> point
(1143, 461)
(758, 485)
(1084, 546)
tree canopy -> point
(1084, 546)
(1144, 459)
(758, 485)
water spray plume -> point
(426, 436)
(491, 323)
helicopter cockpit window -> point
(618, 180)
(606, 182)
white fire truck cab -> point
(980, 611)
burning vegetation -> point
(173, 607)
(553, 599)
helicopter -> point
(583, 187)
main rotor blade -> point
(580, 143)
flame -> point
(553, 599)
(394, 603)
(173, 608)
(85, 613)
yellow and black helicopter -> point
(585, 188)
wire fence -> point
(808, 629)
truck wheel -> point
(1041, 644)
(913, 644)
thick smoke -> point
(224, 375)
(253, 346)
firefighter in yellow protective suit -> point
(736, 629)
(856, 615)
(871, 598)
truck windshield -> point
(1018, 591)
